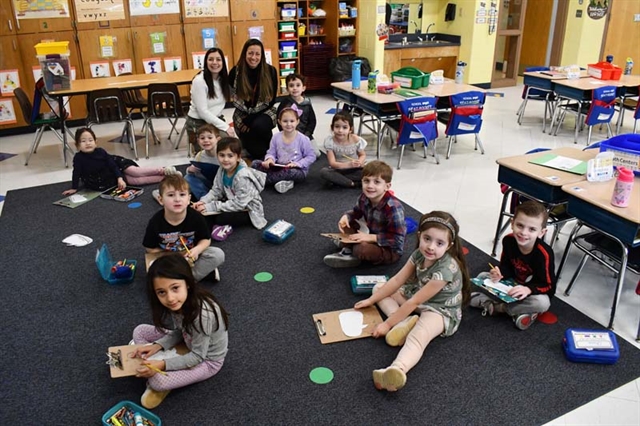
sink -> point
(418, 43)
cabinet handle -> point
(413, 59)
(235, 30)
(128, 36)
(15, 47)
(17, 23)
(10, 26)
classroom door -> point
(508, 42)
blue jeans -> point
(199, 186)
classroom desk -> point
(536, 182)
(590, 203)
(383, 106)
(135, 81)
(631, 89)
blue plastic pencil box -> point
(363, 284)
(278, 232)
(592, 346)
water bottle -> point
(355, 74)
(460, 72)
(622, 189)
(628, 66)
(610, 59)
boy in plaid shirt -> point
(376, 224)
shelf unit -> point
(347, 27)
(288, 42)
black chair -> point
(37, 120)
(163, 102)
(108, 106)
(134, 100)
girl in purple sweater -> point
(290, 153)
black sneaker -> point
(342, 259)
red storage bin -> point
(604, 71)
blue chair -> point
(465, 117)
(536, 94)
(417, 125)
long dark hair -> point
(176, 267)
(223, 76)
(244, 90)
(446, 222)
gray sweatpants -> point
(207, 262)
(532, 304)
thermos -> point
(610, 59)
(628, 66)
(355, 74)
(460, 72)
(372, 82)
(622, 189)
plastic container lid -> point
(625, 175)
(104, 262)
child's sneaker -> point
(524, 321)
(156, 195)
(151, 398)
(390, 379)
(342, 259)
(170, 170)
(398, 334)
(482, 301)
(283, 186)
(221, 232)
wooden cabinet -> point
(392, 61)
(7, 21)
(193, 41)
(424, 58)
(9, 60)
(89, 42)
(44, 25)
(252, 10)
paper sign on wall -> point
(155, 7)
(100, 69)
(91, 11)
(9, 81)
(107, 46)
(39, 9)
(152, 65)
(206, 8)
(208, 38)
(121, 66)
(157, 43)
(198, 60)
(256, 32)
(7, 113)
(173, 63)
(268, 57)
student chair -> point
(627, 102)
(418, 124)
(163, 102)
(558, 215)
(600, 111)
(108, 106)
(464, 117)
(134, 100)
(536, 94)
(32, 116)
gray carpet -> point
(58, 318)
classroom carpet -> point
(59, 317)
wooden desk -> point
(540, 183)
(383, 106)
(590, 203)
(136, 81)
(630, 80)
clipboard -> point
(494, 291)
(343, 238)
(78, 199)
(123, 365)
(327, 325)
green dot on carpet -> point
(321, 375)
(263, 277)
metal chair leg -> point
(505, 198)
(400, 157)
(479, 144)
(449, 147)
(34, 144)
(583, 261)
(434, 143)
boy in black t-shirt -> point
(179, 228)
(527, 260)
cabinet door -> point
(253, 10)
(10, 60)
(42, 25)
(89, 41)
(392, 61)
(446, 63)
(78, 107)
(269, 37)
(7, 21)
(193, 40)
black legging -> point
(256, 141)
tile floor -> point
(464, 185)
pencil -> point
(349, 158)
(157, 370)
(185, 246)
(491, 266)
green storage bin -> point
(410, 78)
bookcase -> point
(288, 43)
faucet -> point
(414, 23)
(428, 28)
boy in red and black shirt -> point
(527, 260)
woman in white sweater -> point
(210, 92)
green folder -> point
(559, 162)
(87, 195)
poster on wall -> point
(100, 69)
(121, 66)
(206, 8)
(9, 81)
(90, 11)
(153, 7)
(173, 63)
(7, 113)
(39, 9)
(597, 9)
(198, 60)
(152, 65)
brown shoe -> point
(390, 379)
(151, 398)
(398, 334)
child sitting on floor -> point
(234, 198)
(289, 156)
(200, 181)
(345, 152)
(99, 171)
(296, 100)
(200, 323)
(434, 284)
(527, 260)
(178, 228)
(382, 214)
